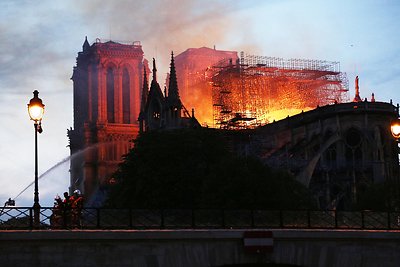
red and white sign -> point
(258, 241)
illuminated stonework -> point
(107, 81)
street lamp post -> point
(395, 130)
(36, 110)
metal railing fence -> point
(14, 218)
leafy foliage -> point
(194, 168)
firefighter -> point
(66, 207)
(57, 216)
(76, 206)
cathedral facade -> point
(112, 105)
(107, 82)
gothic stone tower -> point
(164, 111)
(107, 82)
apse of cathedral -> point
(112, 104)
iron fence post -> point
(362, 220)
(223, 218)
(98, 217)
(162, 226)
(30, 219)
(193, 219)
(336, 219)
(64, 218)
(308, 219)
(388, 221)
(130, 218)
(252, 218)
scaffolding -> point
(246, 93)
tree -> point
(194, 168)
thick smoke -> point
(161, 25)
(38, 46)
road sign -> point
(258, 241)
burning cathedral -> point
(112, 105)
(293, 114)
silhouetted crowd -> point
(67, 212)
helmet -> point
(78, 192)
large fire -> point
(235, 93)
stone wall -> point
(165, 248)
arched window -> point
(110, 96)
(354, 153)
(126, 96)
